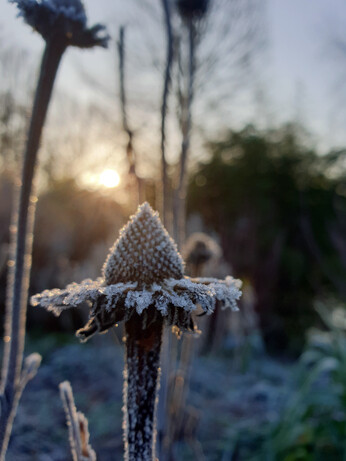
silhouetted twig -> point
(131, 156)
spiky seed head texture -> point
(144, 252)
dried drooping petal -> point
(73, 295)
(226, 291)
(144, 252)
(77, 293)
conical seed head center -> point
(144, 252)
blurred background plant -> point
(313, 422)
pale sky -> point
(302, 69)
(306, 68)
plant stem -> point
(22, 235)
(164, 104)
(131, 156)
(186, 125)
(141, 375)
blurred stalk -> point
(186, 125)
(180, 385)
(166, 88)
(131, 157)
(166, 218)
(22, 236)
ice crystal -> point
(64, 17)
(143, 274)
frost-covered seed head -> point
(65, 18)
(144, 252)
(142, 277)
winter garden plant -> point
(142, 284)
(61, 23)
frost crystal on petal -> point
(74, 294)
(140, 300)
(144, 252)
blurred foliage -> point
(74, 229)
(313, 425)
(280, 211)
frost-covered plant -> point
(61, 23)
(62, 20)
(78, 426)
(143, 283)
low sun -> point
(105, 179)
(109, 178)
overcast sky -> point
(303, 67)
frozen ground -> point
(234, 397)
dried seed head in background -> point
(192, 9)
(198, 250)
(66, 18)
(143, 274)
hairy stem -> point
(141, 375)
(21, 234)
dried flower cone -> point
(144, 253)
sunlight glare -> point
(109, 178)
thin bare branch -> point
(131, 157)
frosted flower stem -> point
(19, 273)
(141, 381)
